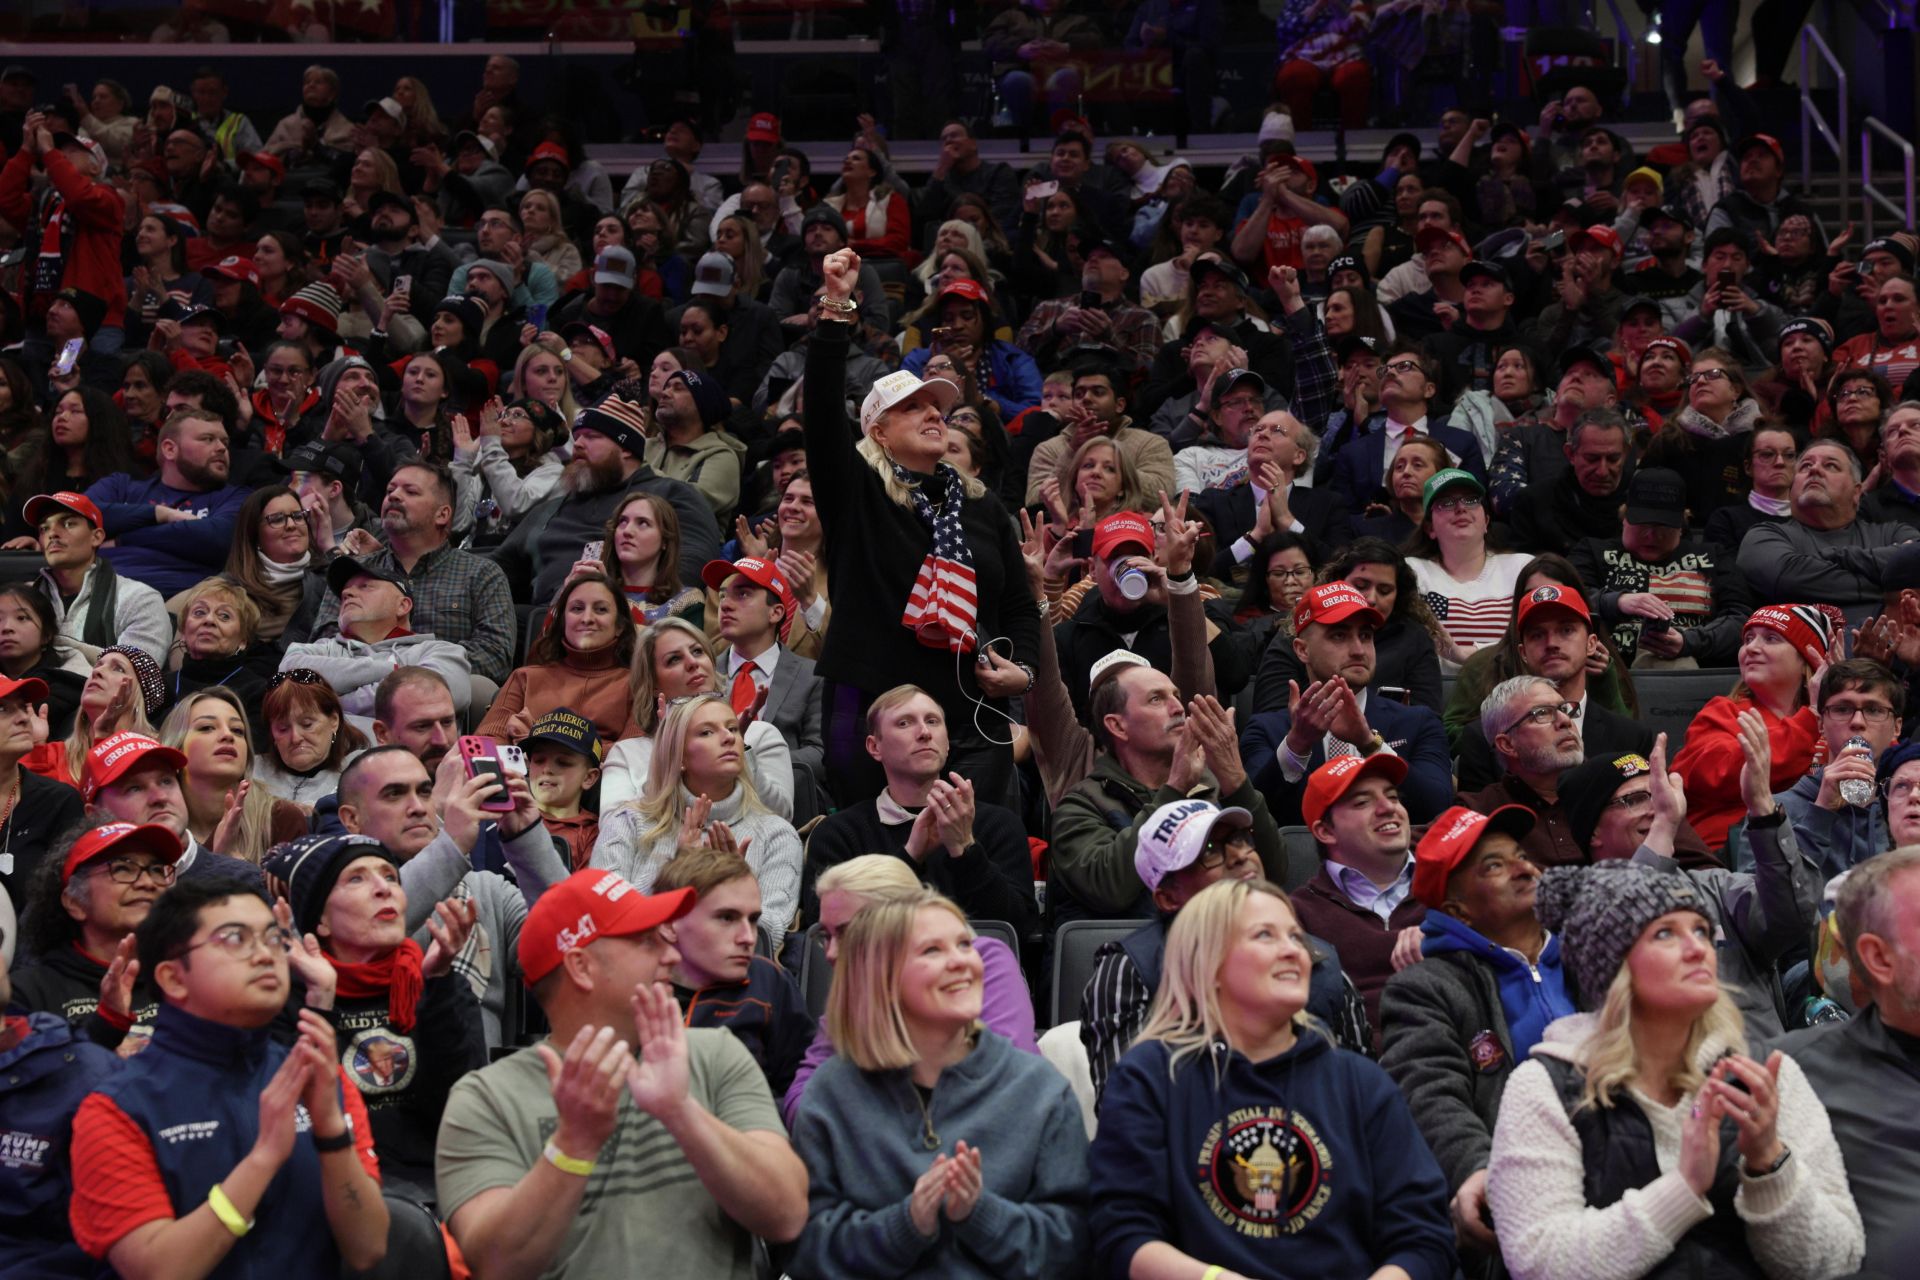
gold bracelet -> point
(566, 1163)
(223, 1209)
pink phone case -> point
(482, 756)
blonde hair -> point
(661, 805)
(243, 604)
(864, 1017)
(882, 464)
(869, 877)
(1132, 495)
(256, 811)
(640, 676)
(421, 117)
(1186, 1014)
(541, 196)
(568, 408)
(1612, 1059)
(134, 718)
(386, 172)
(750, 272)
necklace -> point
(929, 1138)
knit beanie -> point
(1586, 789)
(90, 307)
(467, 311)
(309, 866)
(317, 304)
(622, 421)
(1807, 628)
(1822, 333)
(827, 215)
(146, 672)
(708, 398)
(1599, 912)
(499, 270)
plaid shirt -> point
(1135, 336)
(457, 597)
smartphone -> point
(1724, 279)
(1555, 242)
(537, 315)
(1083, 543)
(781, 168)
(512, 759)
(1042, 190)
(403, 284)
(1090, 300)
(1655, 624)
(69, 356)
(593, 550)
(482, 758)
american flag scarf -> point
(945, 602)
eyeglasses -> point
(1858, 391)
(1402, 366)
(239, 940)
(1707, 375)
(299, 675)
(1458, 502)
(1631, 800)
(1874, 713)
(1220, 848)
(1898, 791)
(1774, 455)
(1291, 573)
(1544, 714)
(286, 371)
(281, 519)
(127, 871)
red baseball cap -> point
(1564, 599)
(1603, 236)
(964, 288)
(550, 151)
(235, 267)
(1123, 529)
(40, 507)
(585, 907)
(116, 837)
(764, 126)
(1452, 837)
(1674, 345)
(1427, 237)
(33, 686)
(114, 757)
(1766, 140)
(763, 573)
(1336, 777)
(1332, 602)
(1300, 162)
(264, 160)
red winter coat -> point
(1709, 765)
(97, 211)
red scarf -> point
(397, 973)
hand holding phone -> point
(481, 756)
(69, 357)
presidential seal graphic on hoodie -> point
(1265, 1172)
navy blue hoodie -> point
(1531, 995)
(1305, 1165)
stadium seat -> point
(1302, 850)
(1669, 700)
(1073, 949)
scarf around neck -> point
(396, 974)
(944, 603)
(284, 574)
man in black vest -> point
(96, 606)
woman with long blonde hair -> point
(1234, 1134)
(944, 601)
(671, 661)
(124, 688)
(544, 234)
(700, 793)
(973, 1152)
(226, 810)
(738, 236)
(1640, 1139)
(423, 125)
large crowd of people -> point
(1224, 837)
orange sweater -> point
(1709, 765)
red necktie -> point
(744, 691)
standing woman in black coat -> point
(943, 600)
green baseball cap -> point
(1447, 479)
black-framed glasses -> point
(281, 519)
(1875, 713)
(1707, 375)
(1402, 366)
(1858, 391)
(1291, 572)
(1218, 850)
(1631, 800)
(1459, 502)
(1543, 714)
(299, 675)
(240, 940)
(127, 871)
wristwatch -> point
(1374, 743)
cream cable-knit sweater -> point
(1801, 1221)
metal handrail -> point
(1812, 119)
(1871, 195)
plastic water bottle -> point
(1857, 792)
(1132, 582)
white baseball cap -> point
(1176, 833)
(1111, 663)
(902, 385)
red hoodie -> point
(97, 211)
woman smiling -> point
(579, 660)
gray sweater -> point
(1787, 562)
(862, 1137)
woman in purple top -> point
(1006, 1009)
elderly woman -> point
(1223, 1129)
(936, 554)
(309, 738)
(1640, 1139)
(999, 1187)
(219, 643)
(1857, 402)
(699, 792)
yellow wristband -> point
(229, 1216)
(566, 1163)
(1213, 1273)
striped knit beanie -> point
(622, 421)
(317, 304)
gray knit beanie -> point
(1599, 911)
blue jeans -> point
(1016, 91)
(1678, 18)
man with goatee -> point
(609, 442)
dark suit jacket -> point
(794, 705)
(1601, 731)
(1230, 512)
(1358, 466)
(1415, 734)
